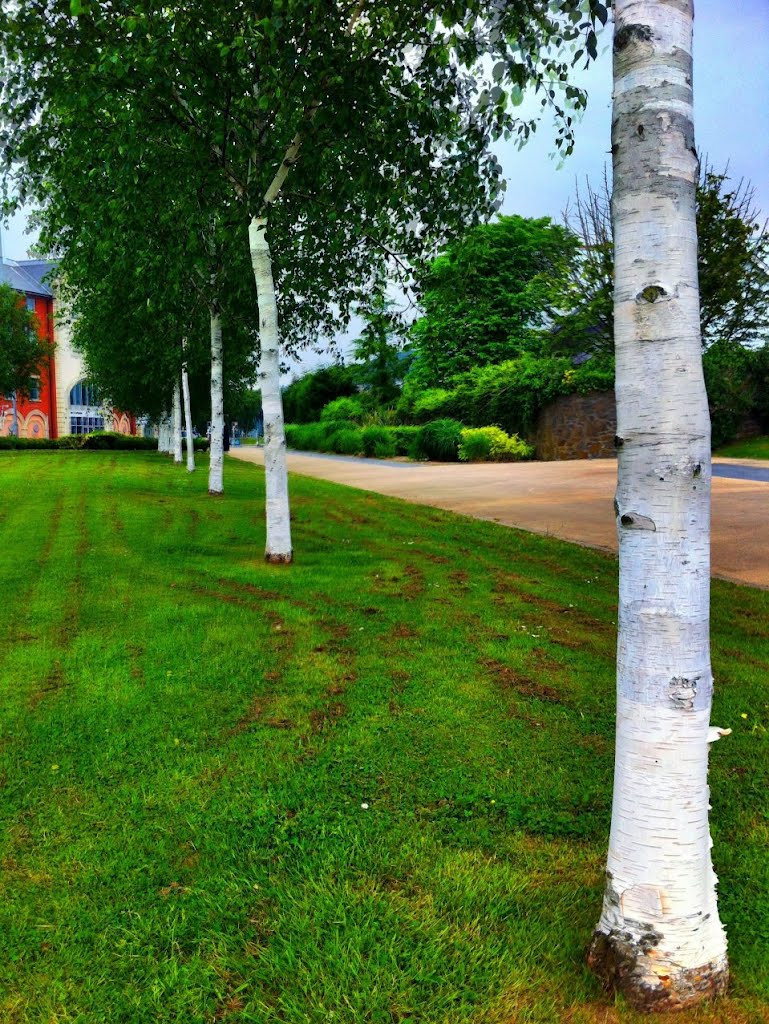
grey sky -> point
(731, 89)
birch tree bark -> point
(278, 545)
(177, 423)
(164, 435)
(659, 939)
(216, 460)
(188, 415)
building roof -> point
(26, 276)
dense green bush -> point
(101, 440)
(731, 388)
(347, 440)
(342, 410)
(404, 438)
(26, 443)
(378, 442)
(306, 437)
(490, 444)
(433, 404)
(509, 395)
(438, 440)
(98, 441)
(304, 398)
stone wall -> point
(577, 427)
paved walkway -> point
(570, 500)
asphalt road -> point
(570, 500)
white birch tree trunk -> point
(188, 415)
(278, 546)
(659, 939)
(164, 435)
(216, 460)
(177, 423)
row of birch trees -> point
(333, 141)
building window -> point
(85, 414)
(30, 304)
(80, 424)
(84, 393)
(34, 390)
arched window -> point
(84, 393)
(85, 414)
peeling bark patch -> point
(628, 34)
(682, 692)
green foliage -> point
(374, 441)
(105, 440)
(760, 373)
(508, 395)
(378, 442)
(347, 440)
(23, 352)
(102, 440)
(343, 410)
(490, 444)
(490, 296)
(438, 440)
(380, 363)
(730, 386)
(420, 405)
(304, 398)
(732, 266)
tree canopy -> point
(490, 295)
(733, 267)
(23, 350)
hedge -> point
(97, 441)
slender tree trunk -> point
(164, 444)
(659, 939)
(216, 461)
(177, 423)
(278, 547)
(188, 414)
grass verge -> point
(752, 448)
(371, 787)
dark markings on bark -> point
(638, 522)
(651, 293)
(618, 441)
(620, 963)
(628, 34)
(277, 558)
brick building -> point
(63, 401)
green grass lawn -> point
(753, 448)
(370, 787)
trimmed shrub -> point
(347, 441)
(26, 443)
(404, 438)
(307, 437)
(348, 410)
(491, 444)
(101, 440)
(438, 440)
(378, 441)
